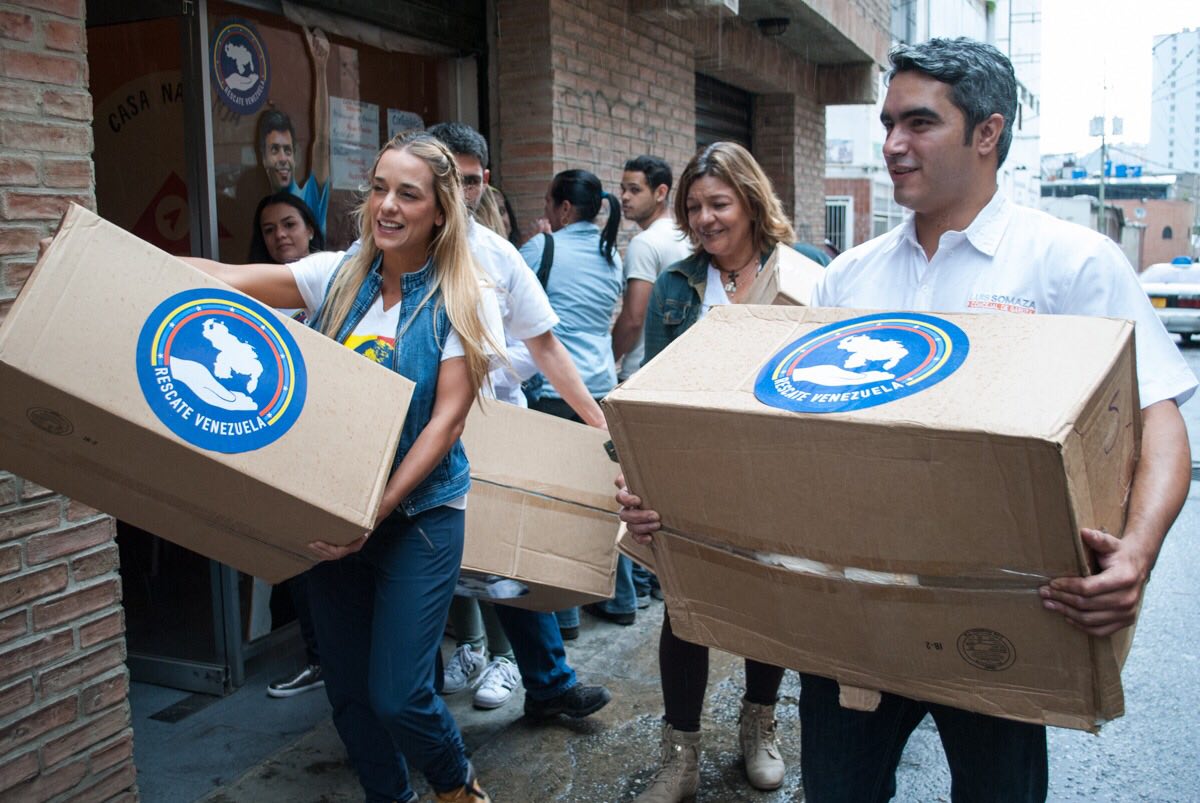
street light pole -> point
(1101, 222)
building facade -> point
(859, 203)
(119, 106)
(1175, 103)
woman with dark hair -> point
(285, 230)
(582, 276)
(509, 216)
(726, 206)
(579, 266)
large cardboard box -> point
(541, 509)
(788, 278)
(896, 540)
(138, 385)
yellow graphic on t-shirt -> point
(373, 347)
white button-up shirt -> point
(1011, 259)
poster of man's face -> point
(279, 159)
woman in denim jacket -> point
(726, 206)
(410, 299)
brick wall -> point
(588, 84)
(64, 714)
(584, 85)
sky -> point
(1096, 60)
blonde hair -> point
(733, 164)
(489, 213)
(455, 271)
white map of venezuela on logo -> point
(863, 349)
(233, 357)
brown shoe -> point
(470, 792)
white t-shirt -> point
(1011, 259)
(714, 292)
(375, 335)
(649, 253)
(524, 308)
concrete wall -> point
(64, 715)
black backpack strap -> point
(543, 272)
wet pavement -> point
(1151, 754)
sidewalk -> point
(606, 757)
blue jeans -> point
(538, 648)
(379, 615)
(851, 756)
(567, 617)
(644, 580)
(298, 587)
(624, 598)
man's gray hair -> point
(981, 79)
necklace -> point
(730, 285)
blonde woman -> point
(410, 299)
(727, 208)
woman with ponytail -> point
(582, 277)
(410, 299)
(580, 268)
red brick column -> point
(64, 710)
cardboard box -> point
(897, 544)
(138, 385)
(788, 278)
(541, 509)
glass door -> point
(154, 178)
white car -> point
(1174, 290)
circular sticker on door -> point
(220, 370)
(862, 362)
(241, 71)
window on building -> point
(886, 214)
(1168, 233)
(839, 221)
(904, 20)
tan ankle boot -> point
(760, 748)
(678, 777)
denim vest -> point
(677, 300)
(420, 336)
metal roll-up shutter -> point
(723, 112)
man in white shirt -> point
(948, 113)
(551, 687)
(645, 199)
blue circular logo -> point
(862, 362)
(220, 370)
(241, 71)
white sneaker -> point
(461, 668)
(496, 684)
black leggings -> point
(683, 667)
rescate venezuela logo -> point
(862, 362)
(220, 370)
(241, 72)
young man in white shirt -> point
(645, 199)
(948, 113)
(550, 684)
